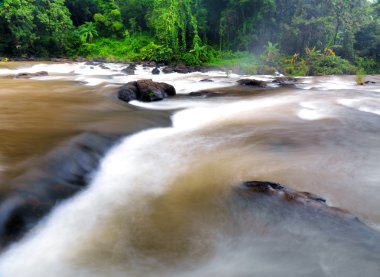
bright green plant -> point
(271, 53)
(360, 77)
(87, 32)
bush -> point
(136, 47)
(316, 63)
(157, 53)
(370, 66)
(331, 65)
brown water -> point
(37, 116)
(162, 202)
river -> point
(163, 200)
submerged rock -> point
(205, 93)
(310, 209)
(168, 70)
(129, 70)
(284, 80)
(102, 66)
(252, 83)
(181, 68)
(62, 173)
(26, 75)
(155, 71)
(146, 91)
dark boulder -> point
(90, 63)
(205, 94)
(80, 59)
(284, 80)
(278, 206)
(129, 70)
(181, 68)
(25, 75)
(102, 66)
(168, 70)
(155, 71)
(128, 92)
(99, 60)
(152, 64)
(146, 91)
(61, 174)
(252, 82)
(206, 81)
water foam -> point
(159, 207)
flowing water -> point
(165, 201)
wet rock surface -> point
(252, 83)
(129, 70)
(155, 71)
(284, 80)
(61, 174)
(205, 94)
(308, 209)
(146, 91)
(26, 75)
(183, 69)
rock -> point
(284, 193)
(99, 60)
(102, 66)
(153, 91)
(90, 63)
(80, 59)
(274, 206)
(168, 70)
(146, 91)
(60, 60)
(61, 174)
(128, 92)
(155, 71)
(285, 80)
(369, 82)
(152, 64)
(206, 81)
(204, 94)
(129, 70)
(252, 82)
(181, 68)
(25, 75)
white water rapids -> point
(162, 202)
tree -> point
(36, 27)
(174, 23)
(19, 25)
(87, 32)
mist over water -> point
(166, 201)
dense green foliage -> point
(296, 36)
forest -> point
(297, 37)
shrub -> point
(369, 65)
(331, 65)
(360, 77)
(157, 53)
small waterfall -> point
(162, 204)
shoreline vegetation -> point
(329, 37)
